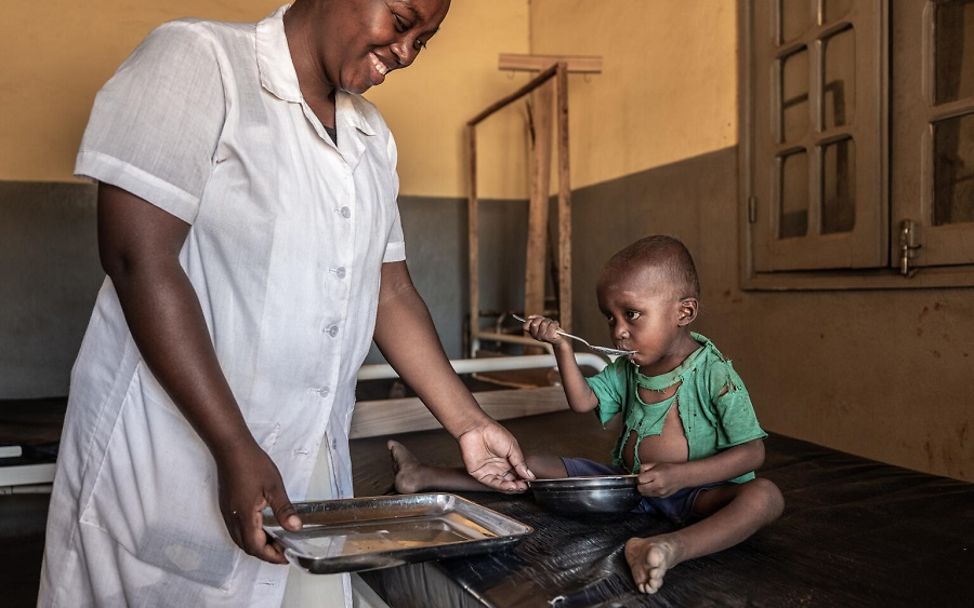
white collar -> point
(277, 73)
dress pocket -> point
(156, 491)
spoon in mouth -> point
(614, 352)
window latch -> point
(909, 247)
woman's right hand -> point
(248, 483)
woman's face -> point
(366, 39)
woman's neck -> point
(308, 66)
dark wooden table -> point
(854, 533)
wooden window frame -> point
(840, 279)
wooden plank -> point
(537, 246)
(534, 83)
(473, 242)
(576, 64)
(390, 416)
(564, 203)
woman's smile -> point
(379, 69)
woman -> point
(249, 229)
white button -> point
(346, 212)
(333, 331)
(339, 272)
(323, 391)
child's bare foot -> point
(408, 468)
(649, 559)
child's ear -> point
(688, 311)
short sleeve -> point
(155, 125)
(396, 243)
(609, 387)
(737, 422)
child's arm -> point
(664, 479)
(580, 396)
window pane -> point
(953, 171)
(793, 219)
(796, 18)
(794, 95)
(954, 48)
(839, 186)
(833, 10)
(839, 87)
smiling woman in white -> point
(249, 228)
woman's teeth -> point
(379, 66)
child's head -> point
(649, 292)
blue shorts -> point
(677, 507)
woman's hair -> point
(666, 254)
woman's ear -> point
(688, 311)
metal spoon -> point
(614, 352)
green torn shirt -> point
(711, 421)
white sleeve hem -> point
(395, 252)
(162, 194)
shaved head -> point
(665, 255)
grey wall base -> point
(49, 276)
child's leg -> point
(414, 476)
(733, 513)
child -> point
(690, 431)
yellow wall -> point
(668, 89)
(428, 105)
(56, 54)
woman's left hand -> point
(493, 457)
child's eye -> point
(632, 315)
(419, 45)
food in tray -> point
(384, 531)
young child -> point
(690, 430)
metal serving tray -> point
(385, 531)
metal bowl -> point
(610, 494)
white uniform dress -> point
(289, 232)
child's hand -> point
(543, 329)
(660, 480)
